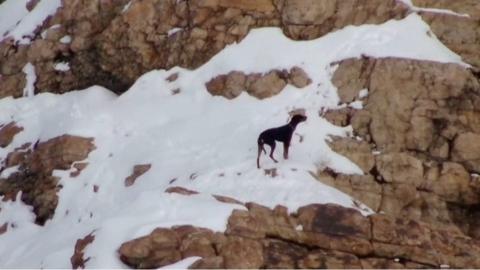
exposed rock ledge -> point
(154, 34)
(36, 163)
(317, 236)
(418, 140)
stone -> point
(158, 249)
(77, 260)
(359, 152)
(240, 252)
(8, 132)
(466, 150)
(138, 170)
(34, 179)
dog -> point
(281, 134)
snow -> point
(16, 10)
(22, 24)
(173, 31)
(44, 33)
(193, 134)
(9, 171)
(363, 93)
(66, 39)
(432, 10)
(126, 7)
(31, 78)
(62, 66)
(183, 264)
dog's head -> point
(299, 118)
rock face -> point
(36, 164)
(156, 34)
(258, 85)
(7, 133)
(420, 139)
(317, 236)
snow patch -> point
(31, 77)
(66, 39)
(363, 93)
(62, 66)
(26, 22)
(9, 171)
(173, 31)
(126, 7)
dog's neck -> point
(293, 124)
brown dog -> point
(281, 134)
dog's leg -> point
(271, 151)
(286, 145)
(260, 148)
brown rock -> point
(180, 190)
(77, 259)
(240, 252)
(59, 153)
(4, 228)
(466, 150)
(267, 85)
(8, 132)
(282, 255)
(209, 263)
(39, 188)
(138, 170)
(158, 249)
(298, 77)
(79, 167)
(400, 168)
(359, 152)
(334, 220)
(226, 199)
(307, 12)
(330, 260)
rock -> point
(8, 132)
(329, 260)
(158, 249)
(180, 190)
(466, 150)
(39, 188)
(160, 34)
(267, 85)
(241, 253)
(209, 263)
(258, 85)
(341, 117)
(334, 220)
(77, 260)
(298, 77)
(326, 236)
(138, 170)
(400, 168)
(282, 255)
(359, 152)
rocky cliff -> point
(104, 35)
(416, 135)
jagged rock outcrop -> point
(316, 236)
(35, 166)
(163, 34)
(258, 85)
(8, 132)
(420, 139)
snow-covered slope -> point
(193, 140)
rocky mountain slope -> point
(384, 174)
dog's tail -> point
(260, 148)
